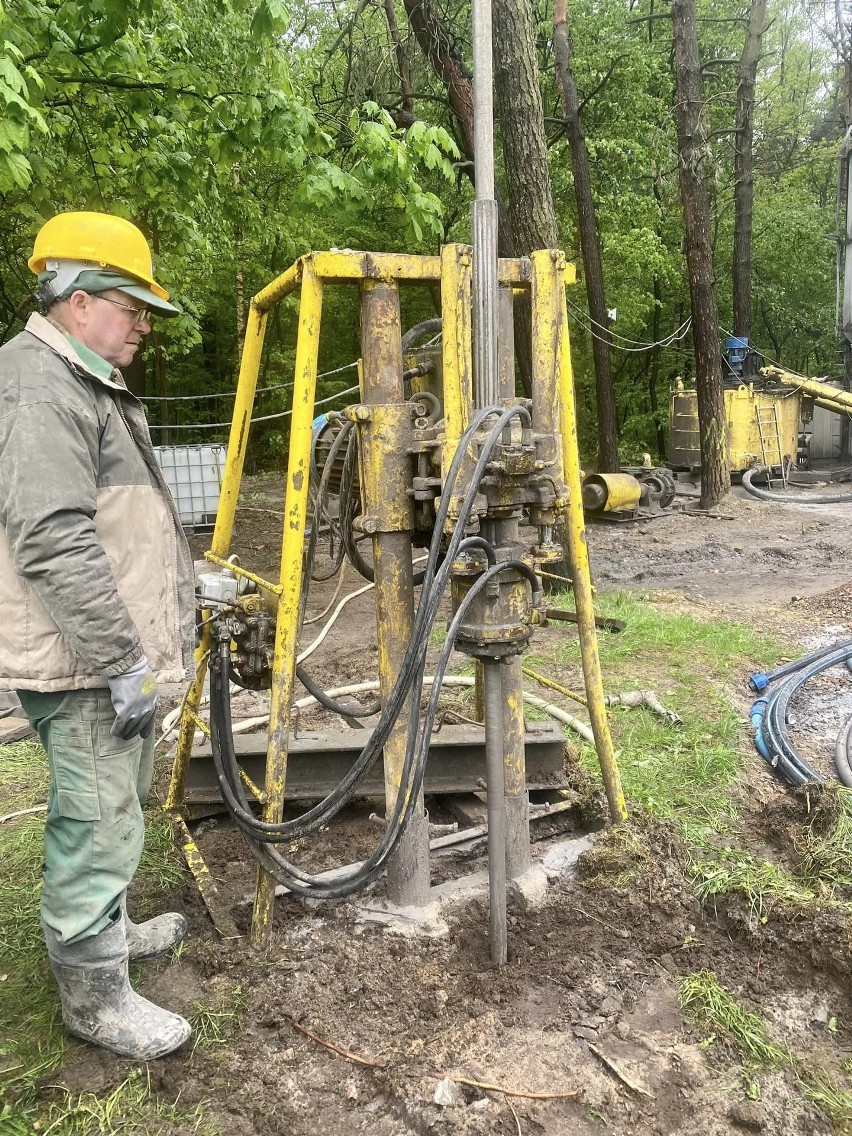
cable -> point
(262, 418)
(636, 345)
(233, 393)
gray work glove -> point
(134, 699)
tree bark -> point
(589, 242)
(744, 168)
(692, 147)
(521, 117)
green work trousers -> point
(94, 831)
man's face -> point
(110, 330)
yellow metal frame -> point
(548, 273)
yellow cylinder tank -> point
(750, 413)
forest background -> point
(239, 136)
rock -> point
(747, 1114)
(622, 1030)
(586, 1032)
(448, 1094)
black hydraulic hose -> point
(347, 513)
(427, 327)
(347, 516)
(412, 668)
(343, 434)
(300, 883)
(320, 695)
(793, 498)
(414, 659)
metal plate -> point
(318, 761)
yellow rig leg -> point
(286, 628)
(234, 460)
(579, 557)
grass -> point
(215, 1024)
(130, 1109)
(33, 1042)
(689, 774)
(825, 846)
(708, 1003)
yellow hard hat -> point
(100, 239)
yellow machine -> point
(763, 419)
(763, 426)
(462, 478)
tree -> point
(589, 242)
(744, 169)
(692, 147)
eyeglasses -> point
(139, 314)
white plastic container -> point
(194, 475)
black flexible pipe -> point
(320, 695)
(414, 662)
(297, 881)
(771, 724)
(793, 498)
(414, 658)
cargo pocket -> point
(74, 773)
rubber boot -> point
(98, 1003)
(154, 937)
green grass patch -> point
(825, 846)
(214, 1024)
(698, 648)
(685, 773)
(709, 1004)
(130, 1109)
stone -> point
(448, 1094)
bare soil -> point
(351, 1029)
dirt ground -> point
(585, 1014)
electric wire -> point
(261, 418)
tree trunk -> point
(712, 425)
(589, 242)
(744, 169)
(521, 117)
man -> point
(96, 604)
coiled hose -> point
(262, 836)
(768, 717)
(792, 498)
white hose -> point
(556, 712)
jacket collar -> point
(64, 346)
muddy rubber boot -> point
(98, 1003)
(154, 937)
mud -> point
(346, 1028)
